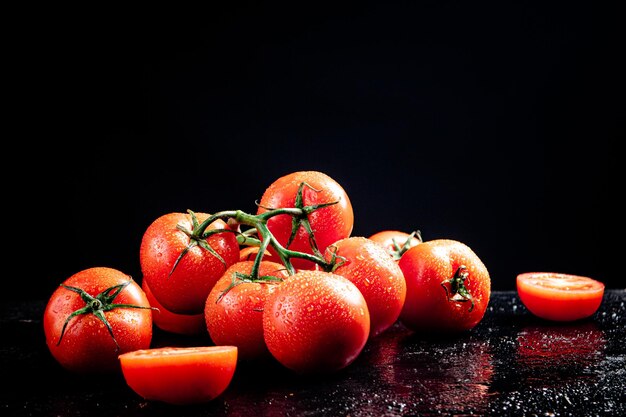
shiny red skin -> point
(186, 289)
(379, 278)
(387, 238)
(87, 345)
(237, 318)
(185, 324)
(316, 322)
(427, 307)
(329, 223)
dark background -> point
(493, 123)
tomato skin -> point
(388, 237)
(250, 253)
(316, 322)
(186, 289)
(379, 278)
(185, 324)
(559, 297)
(328, 223)
(237, 318)
(87, 345)
(180, 375)
(427, 306)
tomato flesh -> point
(559, 297)
(180, 375)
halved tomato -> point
(180, 375)
(558, 296)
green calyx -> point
(458, 291)
(302, 220)
(239, 278)
(98, 305)
(399, 248)
(198, 237)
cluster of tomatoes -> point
(289, 282)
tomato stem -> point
(400, 249)
(457, 287)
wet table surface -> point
(510, 364)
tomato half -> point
(180, 375)
(95, 315)
(329, 224)
(558, 296)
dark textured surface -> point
(510, 364)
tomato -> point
(559, 297)
(379, 278)
(179, 271)
(396, 242)
(329, 224)
(185, 324)
(180, 375)
(249, 253)
(316, 322)
(79, 312)
(448, 287)
(234, 307)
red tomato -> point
(379, 278)
(180, 375)
(186, 289)
(316, 322)
(559, 297)
(100, 296)
(396, 242)
(249, 253)
(234, 308)
(186, 324)
(329, 224)
(448, 287)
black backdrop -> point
(493, 123)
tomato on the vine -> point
(396, 241)
(327, 223)
(448, 287)
(180, 375)
(234, 307)
(558, 296)
(185, 324)
(95, 315)
(377, 275)
(316, 322)
(181, 268)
